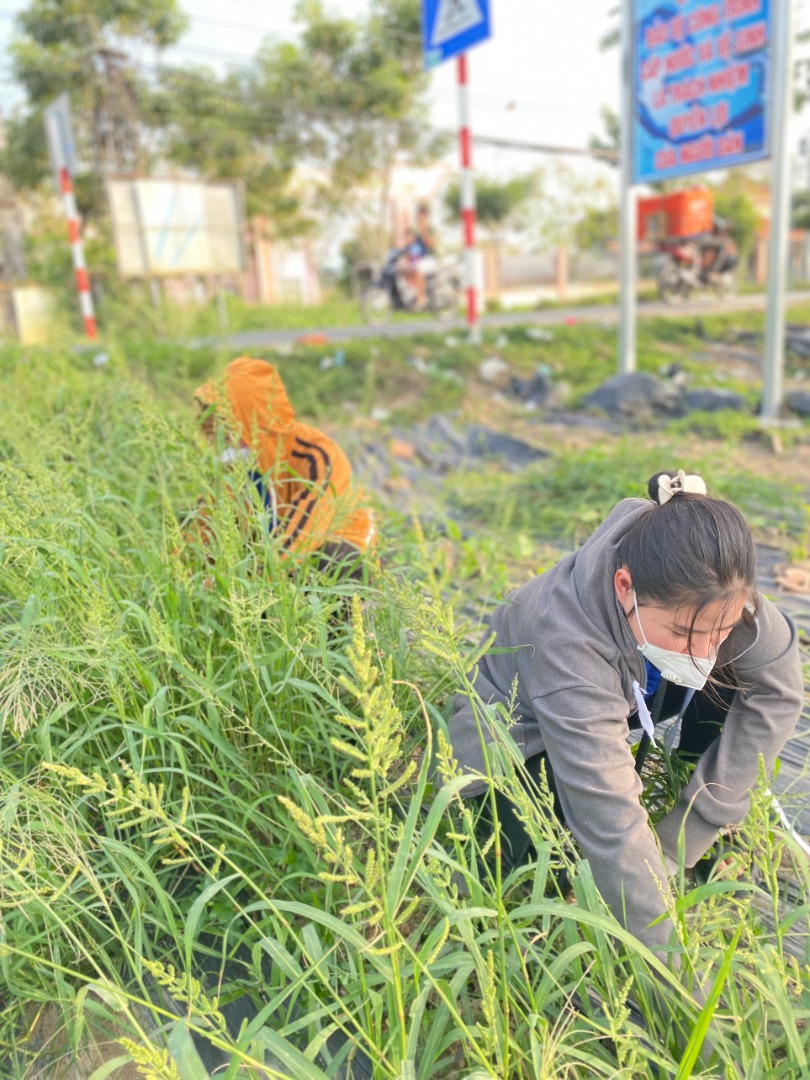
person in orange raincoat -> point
(302, 476)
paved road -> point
(606, 315)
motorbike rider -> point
(421, 255)
(718, 252)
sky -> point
(542, 78)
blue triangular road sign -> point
(455, 17)
(451, 27)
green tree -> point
(24, 159)
(800, 218)
(598, 227)
(498, 203)
(85, 48)
(222, 128)
(607, 146)
(568, 196)
(731, 203)
(350, 100)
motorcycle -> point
(389, 290)
(687, 266)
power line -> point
(400, 34)
(229, 24)
(482, 103)
(230, 54)
(491, 103)
(544, 148)
(485, 102)
(258, 127)
(447, 92)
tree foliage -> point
(344, 102)
(24, 159)
(350, 100)
(742, 216)
(569, 195)
(221, 128)
(84, 48)
(597, 228)
(801, 210)
(607, 145)
(498, 202)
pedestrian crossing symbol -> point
(451, 27)
(454, 17)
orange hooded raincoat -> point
(307, 473)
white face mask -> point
(680, 668)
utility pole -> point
(628, 212)
(12, 237)
(778, 246)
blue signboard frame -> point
(702, 72)
(471, 33)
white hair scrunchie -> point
(691, 484)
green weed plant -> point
(222, 781)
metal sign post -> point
(628, 211)
(774, 356)
(61, 147)
(77, 252)
(467, 200)
(450, 28)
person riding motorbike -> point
(698, 261)
(718, 252)
(412, 279)
(420, 253)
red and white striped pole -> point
(77, 250)
(467, 199)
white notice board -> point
(167, 228)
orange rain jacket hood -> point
(310, 475)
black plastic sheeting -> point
(230, 974)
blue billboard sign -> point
(701, 84)
(450, 27)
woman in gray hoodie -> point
(659, 601)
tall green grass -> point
(217, 780)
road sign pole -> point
(628, 213)
(782, 83)
(77, 251)
(61, 148)
(451, 28)
(467, 198)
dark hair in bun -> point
(690, 550)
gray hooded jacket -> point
(575, 661)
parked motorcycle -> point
(390, 291)
(706, 264)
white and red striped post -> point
(467, 199)
(77, 251)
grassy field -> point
(215, 779)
